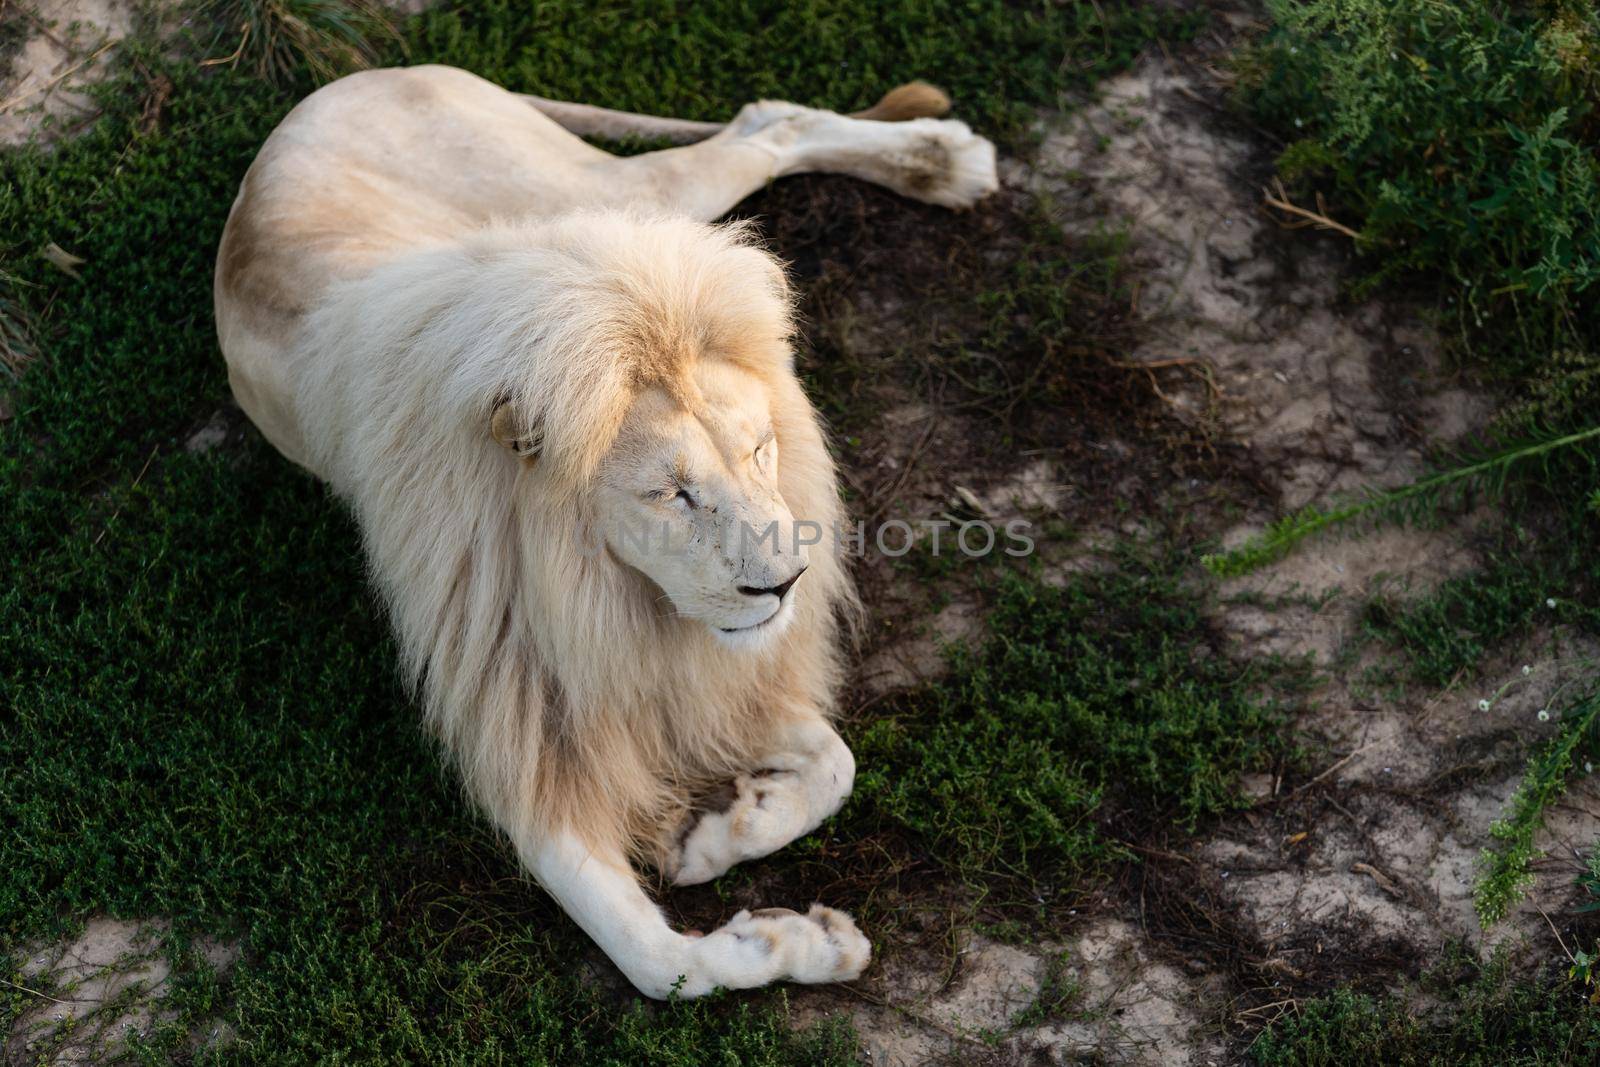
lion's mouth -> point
(752, 628)
(756, 627)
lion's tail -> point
(913, 100)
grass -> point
(702, 61)
(1089, 707)
(16, 344)
(1463, 1014)
(200, 716)
(284, 40)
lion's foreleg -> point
(602, 894)
(805, 779)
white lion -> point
(511, 352)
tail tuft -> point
(913, 100)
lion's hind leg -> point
(803, 781)
(898, 144)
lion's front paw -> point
(822, 945)
(766, 812)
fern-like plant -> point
(1484, 470)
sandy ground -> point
(66, 51)
(1366, 869)
(103, 986)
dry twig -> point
(1278, 197)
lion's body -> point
(365, 171)
(414, 250)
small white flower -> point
(1298, 124)
(1550, 603)
(1483, 705)
(1544, 714)
(1526, 670)
(1588, 767)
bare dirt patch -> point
(65, 48)
(1100, 997)
(101, 989)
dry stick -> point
(1302, 788)
(910, 1013)
(35, 992)
(57, 80)
(1163, 853)
(1282, 203)
(42, 28)
(135, 485)
(1438, 701)
(237, 52)
(1286, 1005)
(1553, 930)
(905, 472)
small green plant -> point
(1104, 697)
(1462, 1012)
(1059, 993)
(1589, 882)
(1508, 867)
(1586, 965)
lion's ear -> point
(512, 432)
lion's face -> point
(688, 496)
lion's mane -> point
(564, 692)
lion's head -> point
(670, 418)
(687, 494)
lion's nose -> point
(776, 590)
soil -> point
(100, 987)
(42, 88)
